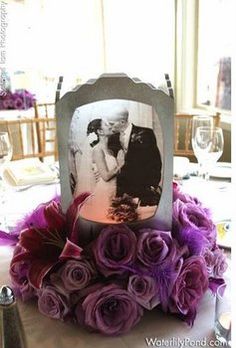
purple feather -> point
(165, 279)
(193, 238)
(35, 218)
(8, 239)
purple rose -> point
(115, 249)
(110, 310)
(76, 274)
(8, 103)
(186, 198)
(220, 264)
(188, 215)
(191, 284)
(18, 103)
(53, 303)
(155, 248)
(208, 256)
(144, 290)
(20, 283)
(19, 276)
(215, 262)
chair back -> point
(183, 133)
(46, 111)
(34, 137)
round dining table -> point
(156, 328)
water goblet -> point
(5, 157)
(199, 121)
(209, 144)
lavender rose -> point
(189, 287)
(144, 290)
(114, 249)
(53, 303)
(76, 274)
(19, 277)
(215, 262)
(220, 264)
(186, 198)
(188, 215)
(155, 248)
(110, 310)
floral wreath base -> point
(108, 284)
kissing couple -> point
(124, 159)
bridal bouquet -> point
(107, 285)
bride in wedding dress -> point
(104, 164)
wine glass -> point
(209, 144)
(200, 121)
(5, 156)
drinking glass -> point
(5, 156)
(200, 121)
(222, 326)
(209, 144)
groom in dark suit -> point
(141, 174)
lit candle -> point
(225, 320)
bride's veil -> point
(85, 172)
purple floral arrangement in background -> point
(106, 285)
(19, 100)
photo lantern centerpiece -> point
(122, 238)
(115, 141)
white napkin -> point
(28, 171)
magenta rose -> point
(155, 248)
(110, 310)
(76, 274)
(114, 250)
(53, 303)
(188, 215)
(144, 290)
(190, 285)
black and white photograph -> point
(116, 154)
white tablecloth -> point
(215, 194)
(42, 332)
